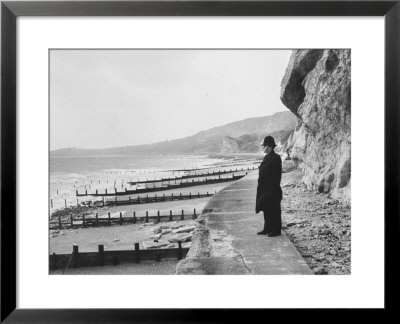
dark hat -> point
(269, 141)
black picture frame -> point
(10, 10)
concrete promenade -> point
(226, 242)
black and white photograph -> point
(199, 161)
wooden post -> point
(86, 192)
(137, 253)
(158, 256)
(147, 216)
(83, 220)
(116, 201)
(190, 195)
(180, 195)
(109, 218)
(106, 191)
(59, 221)
(129, 200)
(54, 261)
(97, 219)
(100, 257)
(75, 251)
(182, 216)
(194, 215)
(134, 217)
(198, 194)
(158, 216)
(72, 221)
(120, 218)
(170, 215)
(97, 192)
(179, 250)
(164, 197)
(172, 196)
(77, 202)
(77, 192)
(65, 202)
(51, 203)
(103, 201)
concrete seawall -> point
(225, 240)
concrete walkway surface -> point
(227, 243)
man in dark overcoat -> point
(269, 192)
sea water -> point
(69, 174)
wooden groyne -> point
(210, 167)
(198, 175)
(95, 221)
(182, 184)
(138, 200)
(114, 257)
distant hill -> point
(241, 136)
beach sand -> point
(112, 237)
(88, 238)
(142, 268)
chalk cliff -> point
(229, 145)
(316, 87)
(250, 143)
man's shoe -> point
(273, 234)
(262, 233)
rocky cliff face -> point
(250, 143)
(229, 145)
(317, 89)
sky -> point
(113, 98)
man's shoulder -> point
(277, 157)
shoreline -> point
(77, 211)
(102, 175)
(126, 235)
